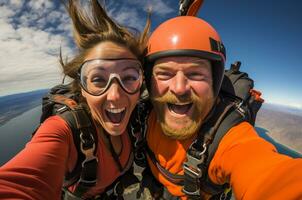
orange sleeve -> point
(254, 168)
(37, 172)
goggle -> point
(97, 75)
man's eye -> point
(163, 75)
(196, 76)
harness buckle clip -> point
(191, 167)
(89, 157)
(239, 108)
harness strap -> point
(202, 150)
(137, 127)
(195, 168)
(189, 7)
(173, 178)
(233, 118)
(83, 131)
(84, 134)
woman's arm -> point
(37, 172)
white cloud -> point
(130, 14)
(41, 5)
(5, 12)
(32, 31)
(128, 17)
(29, 46)
(159, 7)
(16, 3)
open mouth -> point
(115, 115)
(180, 108)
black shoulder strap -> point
(173, 178)
(137, 128)
(226, 115)
(233, 118)
(85, 137)
(195, 168)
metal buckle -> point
(93, 182)
(240, 109)
(191, 168)
(87, 152)
(192, 163)
(195, 193)
(62, 109)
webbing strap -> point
(84, 134)
(232, 119)
(200, 152)
(173, 178)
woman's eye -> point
(129, 78)
(98, 81)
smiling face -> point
(112, 108)
(182, 95)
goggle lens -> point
(97, 75)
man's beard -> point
(201, 107)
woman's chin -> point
(115, 129)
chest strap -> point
(173, 178)
(83, 131)
(200, 153)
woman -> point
(107, 73)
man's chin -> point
(180, 133)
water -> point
(17, 132)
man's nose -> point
(180, 86)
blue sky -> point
(264, 35)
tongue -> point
(180, 109)
(115, 117)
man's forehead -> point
(167, 61)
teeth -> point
(181, 104)
(115, 110)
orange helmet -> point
(187, 36)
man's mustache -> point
(171, 98)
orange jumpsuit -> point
(249, 163)
(37, 172)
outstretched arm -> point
(37, 172)
(254, 168)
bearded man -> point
(184, 73)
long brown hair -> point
(90, 30)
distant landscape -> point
(14, 105)
(283, 124)
(20, 113)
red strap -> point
(257, 95)
(194, 7)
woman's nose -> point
(114, 91)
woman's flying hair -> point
(92, 26)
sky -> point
(264, 35)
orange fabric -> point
(247, 161)
(170, 153)
(37, 171)
(257, 95)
